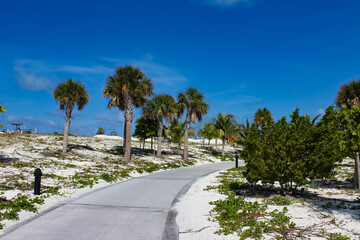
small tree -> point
(145, 128)
(177, 133)
(100, 131)
(1, 110)
(351, 141)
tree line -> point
(289, 152)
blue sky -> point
(242, 54)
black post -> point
(236, 161)
(37, 184)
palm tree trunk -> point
(357, 172)
(66, 134)
(129, 115)
(124, 135)
(159, 136)
(67, 126)
(186, 142)
(152, 143)
(216, 143)
(223, 146)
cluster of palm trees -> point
(127, 88)
(225, 128)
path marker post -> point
(37, 184)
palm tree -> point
(226, 126)
(193, 101)
(209, 131)
(349, 95)
(161, 106)
(68, 94)
(127, 88)
(263, 117)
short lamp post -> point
(236, 161)
(37, 184)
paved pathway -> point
(139, 208)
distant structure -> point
(18, 129)
(17, 126)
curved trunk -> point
(68, 112)
(129, 115)
(159, 136)
(186, 142)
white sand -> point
(194, 220)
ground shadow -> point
(79, 147)
(4, 159)
(324, 205)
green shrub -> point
(292, 152)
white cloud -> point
(84, 69)
(110, 118)
(30, 122)
(243, 99)
(31, 81)
(158, 73)
(227, 3)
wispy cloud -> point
(227, 3)
(37, 75)
(159, 73)
(31, 81)
(233, 91)
(110, 118)
(97, 69)
(30, 121)
(243, 99)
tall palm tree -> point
(226, 126)
(161, 106)
(263, 117)
(193, 101)
(349, 95)
(126, 89)
(68, 94)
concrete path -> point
(139, 208)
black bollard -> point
(37, 184)
(236, 161)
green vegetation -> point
(11, 208)
(100, 131)
(292, 152)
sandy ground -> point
(195, 222)
(88, 159)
